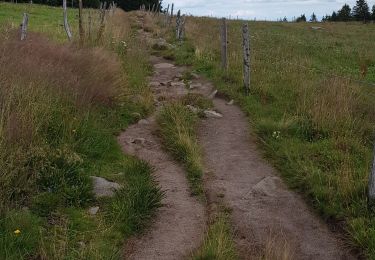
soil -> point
(178, 227)
(269, 220)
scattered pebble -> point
(195, 85)
(93, 210)
(230, 102)
(164, 66)
(212, 114)
(212, 95)
(143, 122)
(193, 109)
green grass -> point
(43, 19)
(177, 128)
(316, 128)
(51, 141)
(218, 243)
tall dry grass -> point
(43, 86)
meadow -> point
(310, 104)
(61, 107)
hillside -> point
(198, 173)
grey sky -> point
(260, 9)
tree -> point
(333, 17)
(130, 5)
(361, 11)
(373, 13)
(302, 18)
(313, 18)
(285, 20)
(344, 14)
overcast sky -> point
(260, 9)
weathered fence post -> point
(81, 30)
(246, 57)
(371, 184)
(178, 24)
(224, 44)
(102, 22)
(66, 25)
(166, 17)
(171, 17)
(25, 22)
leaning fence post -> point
(66, 25)
(224, 44)
(246, 57)
(371, 184)
(25, 21)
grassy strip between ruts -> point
(316, 128)
(177, 127)
(58, 126)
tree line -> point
(360, 12)
(127, 5)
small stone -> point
(212, 95)
(230, 102)
(139, 141)
(317, 28)
(178, 76)
(166, 83)
(154, 84)
(193, 109)
(93, 210)
(178, 84)
(212, 114)
(164, 66)
(104, 188)
(195, 85)
(143, 122)
(81, 244)
(194, 75)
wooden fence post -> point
(246, 57)
(224, 44)
(25, 22)
(178, 24)
(171, 17)
(166, 17)
(371, 184)
(81, 30)
(66, 25)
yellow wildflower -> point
(17, 232)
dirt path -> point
(267, 217)
(178, 228)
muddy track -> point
(179, 226)
(268, 218)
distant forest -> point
(127, 5)
(360, 12)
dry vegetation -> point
(60, 108)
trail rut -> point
(179, 225)
(266, 216)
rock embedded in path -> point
(143, 122)
(193, 109)
(93, 210)
(195, 85)
(164, 66)
(230, 102)
(178, 84)
(212, 95)
(154, 84)
(104, 188)
(212, 114)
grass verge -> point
(58, 126)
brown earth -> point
(178, 228)
(269, 220)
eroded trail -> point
(178, 228)
(267, 217)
